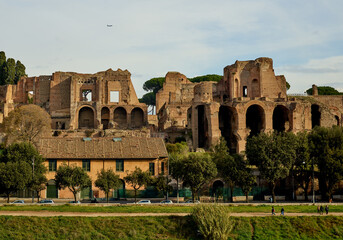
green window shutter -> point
(152, 168)
(120, 165)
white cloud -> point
(152, 37)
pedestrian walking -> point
(318, 209)
(327, 209)
(273, 211)
(282, 211)
(321, 210)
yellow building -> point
(94, 154)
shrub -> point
(213, 221)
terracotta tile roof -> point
(100, 148)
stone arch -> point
(281, 121)
(137, 117)
(315, 115)
(255, 119)
(255, 88)
(228, 120)
(105, 117)
(202, 127)
(86, 118)
(120, 116)
(218, 188)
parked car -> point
(166, 201)
(191, 201)
(18, 202)
(144, 202)
(46, 201)
(75, 202)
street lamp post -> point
(167, 176)
(33, 175)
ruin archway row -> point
(124, 116)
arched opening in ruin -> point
(120, 117)
(227, 125)
(337, 120)
(255, 88)
(137, 118)
(315, 115)
(281, 119)
(255, 119)
(202, 127)
(218, 188)
(105, 117)
(86, 118)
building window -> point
(52, 165)
(120, 165)
(152, 168)
(245, 91)
(114, 96)
(86, 95)
(86, 165)
(162, 168)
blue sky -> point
(152, 37)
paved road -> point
(96, 214)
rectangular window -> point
(52, 165)
(162, 168)
(120, 165)
(152, 168)
(114, 96)
(86, 95)
(86, 165)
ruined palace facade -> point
(103, 100)
(248, 100)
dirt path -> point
(96, 214)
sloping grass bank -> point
(181, 208)
(327, 227)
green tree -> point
(198, 168)
(273, 154)
(19, 71)
(26, 152)
(26, 124)
(149, 99)
(161, 184)
(154, 84)
(14, 176)
(326, 149)
(106, 181)
(205, 78)
(10, 68)
(303, 164)
(233, 170)
(324, 90)
(2, 68)
(175, 153)
(72, 177)
(137, 179)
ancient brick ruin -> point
(105, 100)
(248, 100)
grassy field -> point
(327, 227)
(161, 208)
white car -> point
(144, 202)
(18, 202)
(166, 201)
(46, 201)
